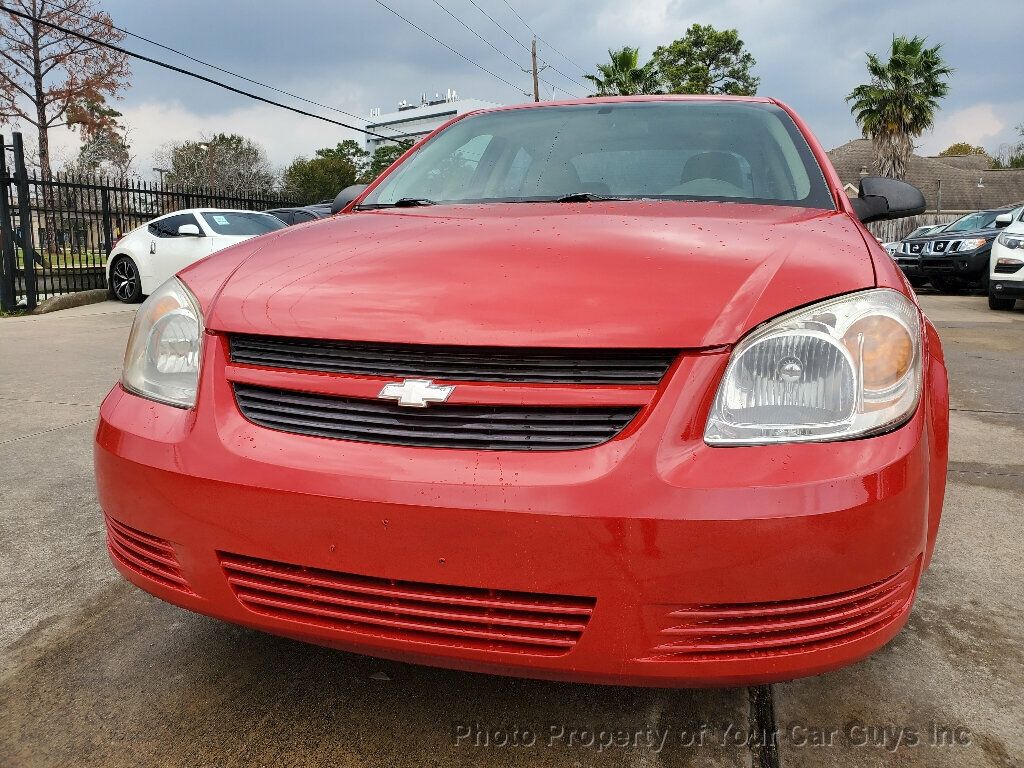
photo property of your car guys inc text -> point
(511, 383)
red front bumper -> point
(652, 559)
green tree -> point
(383, 157)
(324, 175)
(225, 162)
(1011, 155)
(707, 60)
(624, 76)
(962, 148)
(900, 101)
(105, 150)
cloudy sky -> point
(355, 55)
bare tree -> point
(47, 77)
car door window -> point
(168, 227)
(301, 217)
(241, 223)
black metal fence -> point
(56, 233)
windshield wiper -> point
(412, 202)
(585, 197)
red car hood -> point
(600, 274)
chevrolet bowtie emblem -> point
(415, 393)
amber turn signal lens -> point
(887, 352)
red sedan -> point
(615, 390)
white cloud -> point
(984, 123)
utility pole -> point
(533, 57)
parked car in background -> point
(149, 255)
(302, 214)
(927, 229)
(615, 390)
(956, 256)
(1006, 266)
(892, 247)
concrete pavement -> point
(96, 672)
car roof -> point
(203, 210)
(668, 97)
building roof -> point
(959, 174)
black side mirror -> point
(347, 195)
(882, 199)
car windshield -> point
(241, 223)
(728, 151)
(973, 221)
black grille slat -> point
(498, 364)
(369, 408)
(396, 422)
(446, 426)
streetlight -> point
(162, 171)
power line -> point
(522, 45)
(189, 73)
(492, 45)
(214, 66)
(445, 45)
(549, 45)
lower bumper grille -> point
(504, 427)
(464, 617)
(1007, 269)
(758, 630)
(146, 555)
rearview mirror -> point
(346, 196)
(882, 199)
(1004, 220)
(189, 230)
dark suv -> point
(955, 257)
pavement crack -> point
(46, 402)
(47, 431)
(983, 410)
(980, 468)
(764, 733)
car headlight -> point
(847, 367)
(165, 347)
(971, 243)
(1011, 240)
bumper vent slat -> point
(145, 554)
(455, 363)
(465, 617)
(758, 630)
(512, 428)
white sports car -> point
(148, 255)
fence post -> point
(8, 265)
(108, 225)
(28, 253)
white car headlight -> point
(165, 347)
(847, 367)
(1011, 240)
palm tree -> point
(899, 103)
(624, 76)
